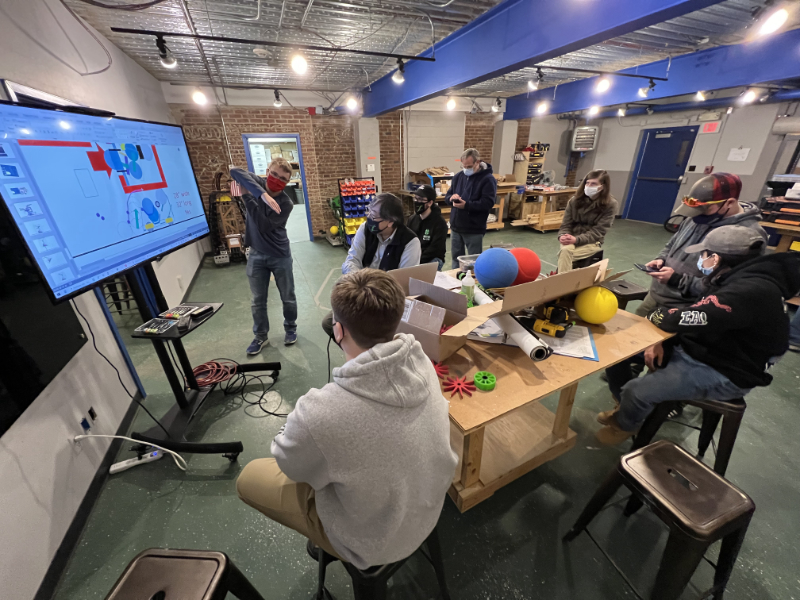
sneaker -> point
(290, 338)
(255, 346)
(794, 348)
(612, 434)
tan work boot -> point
(603, 417)
(612, 434)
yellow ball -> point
(596, 305)
(334, 230)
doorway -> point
(260, 149)
(658, 173)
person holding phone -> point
(589, 214)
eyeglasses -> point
(694, 202)
(281, 177)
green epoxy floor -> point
(508, 547)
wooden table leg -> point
(542, 212)
(784, 243)
(564, 410)
(471, 459)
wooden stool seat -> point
(625, 291)
(162, 574)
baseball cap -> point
(426, 192)
(713, 189)
(730, 239)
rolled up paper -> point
(528, 343)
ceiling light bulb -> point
(398, 78)
(749, 96)
(620, 112)
(774, 22)
(25, 131)
(603, 85)
(451, 104)
(495, 108)
(352, 103)
(168, 61)
(199, 97)
(64, 125)
(700, 97)
(299, 64)
(277, 103)
(730, 110)
(541, 108)
(533, 84)
(643, 91)
(594, 110)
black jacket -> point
(432, 234)
(394, 251)
(741, 324)
(479, 191)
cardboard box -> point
(428, 308)
(424, 272)
(234, 241)
(419, 178)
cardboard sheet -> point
(426, 273)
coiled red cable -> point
(214, 372)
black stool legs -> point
(678, 563)
(239, 585)
(604, 493)
(435, 549)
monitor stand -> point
(151, 302)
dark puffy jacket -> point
(432, 234)
(587, 220)
(741, 324)
(479, 191)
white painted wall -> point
(368, 149)
(503, 147)
(435, 139)
(549, 130)
(43, 478)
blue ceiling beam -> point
(774, 58)
(517, 34)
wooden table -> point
(503, 434)
(788, 233)
(504, 191)
(546, 220)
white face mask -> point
(592, 191)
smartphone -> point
(645, 268)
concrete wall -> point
(44, 477)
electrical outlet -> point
(92, 414)
(85, 425)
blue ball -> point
(496, 268)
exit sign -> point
(710, 127)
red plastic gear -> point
(441, 370)
(445, 328)
(460, 385)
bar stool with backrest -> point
(163, 574)
(372, 583)
(697, 504)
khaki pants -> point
(266, 488)
(570, 253)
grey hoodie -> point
(688, 286)
(375, 446)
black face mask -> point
(709, 219)
(420, 207)
(373, 226)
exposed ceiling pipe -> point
(258, 14)
(305, 13)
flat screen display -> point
(94, 196)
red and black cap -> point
(716, 187)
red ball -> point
(529, 265)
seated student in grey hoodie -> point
(362, 465)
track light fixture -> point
(774, 22)
(645, 91)
(700, 97)
(748, 96)
(497, 105)
(299, 64)
(277, 103)
(352, 103)
(620, 112)
(398, 76)
(451, 103)
(164, 55)
(602, 85)
(199, 97)
(533, 84)
(594, 111)
(541, 108)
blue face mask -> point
(469, 172)
(373, 226)
(704, 270)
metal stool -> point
(371, 584)
(697, 504)
(625, 291)
(161, 574)
(588, 261)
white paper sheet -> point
(447, 282)
(738, 154)
(577, 343)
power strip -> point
(132, 462)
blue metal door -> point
(659, 170)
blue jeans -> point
(684, 378)
(439, 262)
(458, 241)
(259, 268)
(794, 329)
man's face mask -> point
(420, 207)
(373, 226)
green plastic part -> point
(485, 381)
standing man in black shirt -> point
(268, 209)
(429, 226)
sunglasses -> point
(694, 202)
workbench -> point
(787, 233)
(503, 434)
(546, 219)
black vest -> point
(394, 251)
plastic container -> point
(467, 262)
(468, 288)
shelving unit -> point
(355, 194)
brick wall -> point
(523, 134)
(327, 144)
(392, 169)
(479, 133)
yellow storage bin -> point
(350, 222)
(350, 230)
